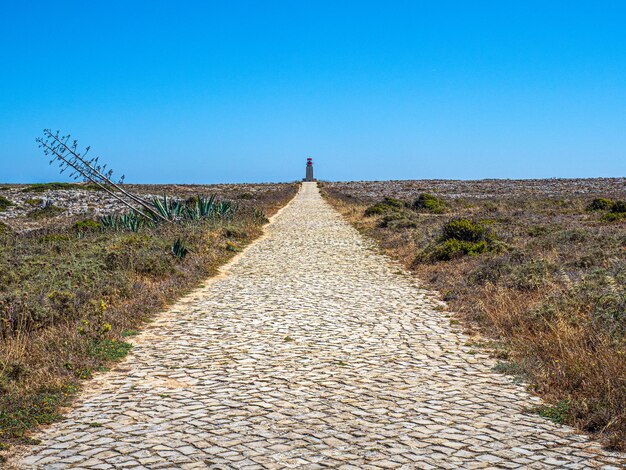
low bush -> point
(387, 205)
(34, 201)
(5, 203)
(429, 203)
(87, 225)
(464, 230)
(396, 220)
(613, 217)
(619, 207)
(600, 204)
(453, 248)
(459, 237)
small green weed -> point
(513, 369)
(556, 413)
(231, 246)
(109, 349)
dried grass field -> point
(535, 271)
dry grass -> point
(552, 292)
(69, 297)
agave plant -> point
(179, 249)
(109, 221)
(130, 221)
(225, 209)
(170, 208)
(127, 221)
(206, 205)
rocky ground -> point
(484, 189)
(72, 204)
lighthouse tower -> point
(309, 170)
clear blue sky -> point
(229, 91)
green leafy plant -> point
(179, 249)
(464, 230)
(386, 205)
(110, 349)
(169, 208)
(130, 221)
(600, 204)
(5, 203)
(429, 203)
(556, 413)
(453, 248)
(87, 225)
(619, 207)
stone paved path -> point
(310, 351)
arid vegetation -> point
(535, 270)
(73, 290)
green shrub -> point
(464, 230)
(556, 413)
(377, 209)
(231, 246)
(34, 201)
(388, 204)
(613, 216)
(619, 207)
(5, 203)
(397, 220)
(109, 349)
(179, 249)
(453, 248)
(600, 204)
(429, 203)
(460, 237)
(537, 231)
(392, 202)
(87, 225)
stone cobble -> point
(309, 351)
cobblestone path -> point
(310, 351)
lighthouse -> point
(309, 170)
